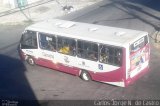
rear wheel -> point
(30, 61)
(85, 76)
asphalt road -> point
(21, 81)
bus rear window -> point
(140, 43)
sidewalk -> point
(44, 11)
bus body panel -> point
(54, 60)
(138, 63)
(130, 81)
(120, 73)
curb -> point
(23, 8)
(156, 36)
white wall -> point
(32, 1)
(13, 3)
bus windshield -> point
(29, 40)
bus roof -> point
(91, 32)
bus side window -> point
(67, 46)
(47, 42)
(110, 55)
(104, 54)
(118, 56)
(29, 40)
(88, 50)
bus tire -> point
(85, 76)
(30, 61)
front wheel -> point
(85, 76)
(30, 61)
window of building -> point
(47, 41)
(29, 40)
(110, 55)
(66, 46)
(87, 50)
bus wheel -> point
(85, 76)
(30, 61)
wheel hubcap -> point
(31, 61)
(85, 76)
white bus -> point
(110, 55)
